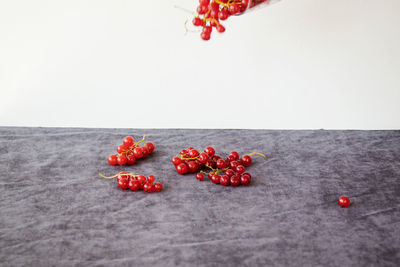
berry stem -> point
(256, 153)
(111, 177)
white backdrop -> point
(297, 64)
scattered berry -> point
(344, 201)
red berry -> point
(216, 179)
(220, 28)
(213, 6)
(210, 175)
(225, 180)
(230, 158)
(221, 164)
(240, 169)
(183, 152)
(235, 180)
(203, 158)
(148, 187)
(344, 201)
(229, 172)
(158, 187)
(210, 151)
(145, 151)
(128, 141)
(112, 159)
(245, 3)
(197, 21)
(142, 180)
(202, 9)
(192, 166)
(122, 148)
(189, 148)
(130, 159)
(193, 153)
(122, 159)
(134, 185)
(235, 155)
(207, 29)
(205, 36)
(200, 176)
(138, 152)
(245, 180)
(150, 147)
(234, 8)
(233, 164)
(223, 14)
(214, 14)
(204, 2)
(176, 160)
(123, 180)
(182, 168)
(151, 179)
(246, 160)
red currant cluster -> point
(129, 152)
(209, 13)
(232, 168)
(136, 182)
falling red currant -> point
(344, 201)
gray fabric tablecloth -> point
(56, 210)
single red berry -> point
(183, 152)
(128, 141)
(193, 153)
(245, 180)
(245, 3)
(210, 175)
(122, 149)
(192, 166)
(182, 168)
(225, 180)
(344, 201)
(203, 158)
(235, 155)
(200, 176)
(207, 29)
(151, 178)
(150, 147)
(205, 36)
(235, 180)
(220, 28)
(223, 14)
(134, 185)
(210, 151)
(230, 158)
(216, 178)
(112, 159)
(142, 180)
(246, 160)
(202, 9)
(130, 159)
(176, 160)
(215, 158)
(122, 159)
(204, 2)
(123, 180)
(214, 14)
(189, 148)
(158, 187)
(213, 6)
(197, 21)
(221, 164)
(234, 8)
(247, 174)
(138, 152)
(145, 151)
(233, 164)
(240, 169)
(229, 172)
(148, 187)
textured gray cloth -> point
(56, 210)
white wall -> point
(118, 63)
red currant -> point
(205, 36)
(148, 187)
(123, 180)
(134, 185)
(210, 151)
(192, 166)
(158, 187)
(200, 176)
(240, 169)
(235, 155)
(182, 168)
(128, 141)
(122, 149)
(151, 179)
(204, 2)
(221, 164)
(142, 180)
(183, 152)
(130, 159)
(245, 180)
(197, 21)
(229, 172)
(235, 180)
(246, 160)
(225, 180)
(193, 153)
(233, 164)
(145, 151)
(223, 14)
(220, 28)
(138, 152)
(216, 179)
(150, 147)
(122, 159)
(176, 160)
(344, 201)
(203, 158)
(112, 159)
(207, 29)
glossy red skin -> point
(235, 180)
(112, 160)
(230, 158)
(235, 155)
(128, 141)
(210, 151)
(134, 185)
(182, 168)
(240, 169)
(229, 172)
(245, 180)
(122, 159)
(234, 164)
(130, 159)
(150, 147)
(183, 152)
(344, 201)
(151, 178)
(221, 164)
(123, 180)
(203, 157)
(158, 187)
(225, 180)
(138, 152)
(193, 153)
(216, 179)
(145, 151)
(142, 180)
(200, 176)
(148, 187)
(192, 166)
(246, 160)
(176, 160)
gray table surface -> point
(56, 210)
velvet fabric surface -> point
(57, 211)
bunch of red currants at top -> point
(129, 152)
(210, 13)
(136, 182)
(229, 171)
